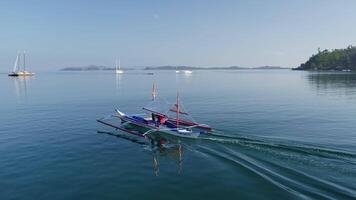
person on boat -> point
(160, 120)
(155, 119)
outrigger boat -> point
(159, 118)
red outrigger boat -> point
(159, 117)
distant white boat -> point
(188, 71)
(17, 71)
(118, 69)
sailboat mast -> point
(24, 61)
(154, 93)
(177, 110)
(116, 64)
(16, 63)
(119, 64)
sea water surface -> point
(279, 134)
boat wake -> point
(289, 178)
(272, 144)
(304, 171)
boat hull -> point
(193, 135)
(21, 74)
(162, 130)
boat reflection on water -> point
(118, 81)
(158, 146)
(21, 85)
(174, 152)
(162, 147)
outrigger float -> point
(159, 118)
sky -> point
(250, 33)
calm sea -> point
(280, 134)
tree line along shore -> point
(331, 60)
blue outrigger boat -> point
(159, 118)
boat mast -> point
(177, 104)
(154, 93)
(16, 63)
(116, 64)
(24, 61)
(119, 64)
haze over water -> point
(280, 134)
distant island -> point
(104, 68)
(334, 60)
(91, 68)
(209, 68)
(87, 68)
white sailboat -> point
(118, 69)
(16, 70)
(188, 71)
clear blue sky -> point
(148, 33)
